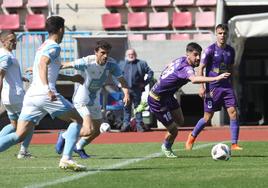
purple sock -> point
(167, 144)
(198, 127)
(234, 131)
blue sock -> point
(71, 135)
(26, 142)
(234, 131)
(168, 144)
(7, 129)
(8, 141)
(81, 143)
(198, 127)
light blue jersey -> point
(95, 76)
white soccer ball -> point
(105, 127)
(221, 152)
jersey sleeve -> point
(206, 56)
(52, 51)
(115, 70)
(5, 62)
(189, 71)
(80, 64)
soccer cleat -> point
(236, 147)
(60, 143)
(24, 155)
(190, 142)
(168, 152)
(71, 164)
(82, 153)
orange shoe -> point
(236, 147)
(190, 142)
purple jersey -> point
(217, 61)
(174, 76)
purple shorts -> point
(218, 98)
(162, 108)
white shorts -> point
(36, 107)
(93, 111)
(13, 110)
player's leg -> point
(234, 128)
(138, 115)
(127, 115)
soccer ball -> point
(221, 152)
(105, 127)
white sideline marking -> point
(115, 166)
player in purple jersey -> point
(161, 97)
(218, 58)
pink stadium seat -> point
(182, 19)
(184, 36)
(137, 20)
(114, 3)
(37, 3)
(202, 37)
(12, 3)
(183, 2)
(137, 3)
(206, 2)
(111, 21)
(161, 36)
(160, 3)
(135, 37)
(158, 20)
(35, 22)
(11, 21)
(205, 19)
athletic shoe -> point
(60, 143)
(82, 153)
(24, 155)
(71, 164)
(236, 147)
(168, 152)
(190, 142)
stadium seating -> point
(114, 3)
(183, 2)
(37, 3)
(11, 21)
(160, 3)
(160, 36)
(182, 19)
(206, 2)
(35, 22)
(138, 3)
(135, 37)
(158, 20)
(205, 19)
(12, 3)
(111, 21)
(137, 20)
(184, 36)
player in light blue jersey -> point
(95, 70)
(11, 88)
(42, 97)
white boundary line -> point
(115, 166)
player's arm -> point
(124, 87)
(203, 79)
(67, 65)
(43, 71)
(200, 72)
(75, 78)
(2, 75)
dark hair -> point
(192, 46)
(54, 23)
(223, 27)
(103, 45)
(5, 33)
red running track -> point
(216, 134)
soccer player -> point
(42, 97)
(11, 88)
(95, 70)
(217, 58)
(161, 98)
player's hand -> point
(78, 78)
(223, 76)
(126, 100)
(202, 92)
(51, 96)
